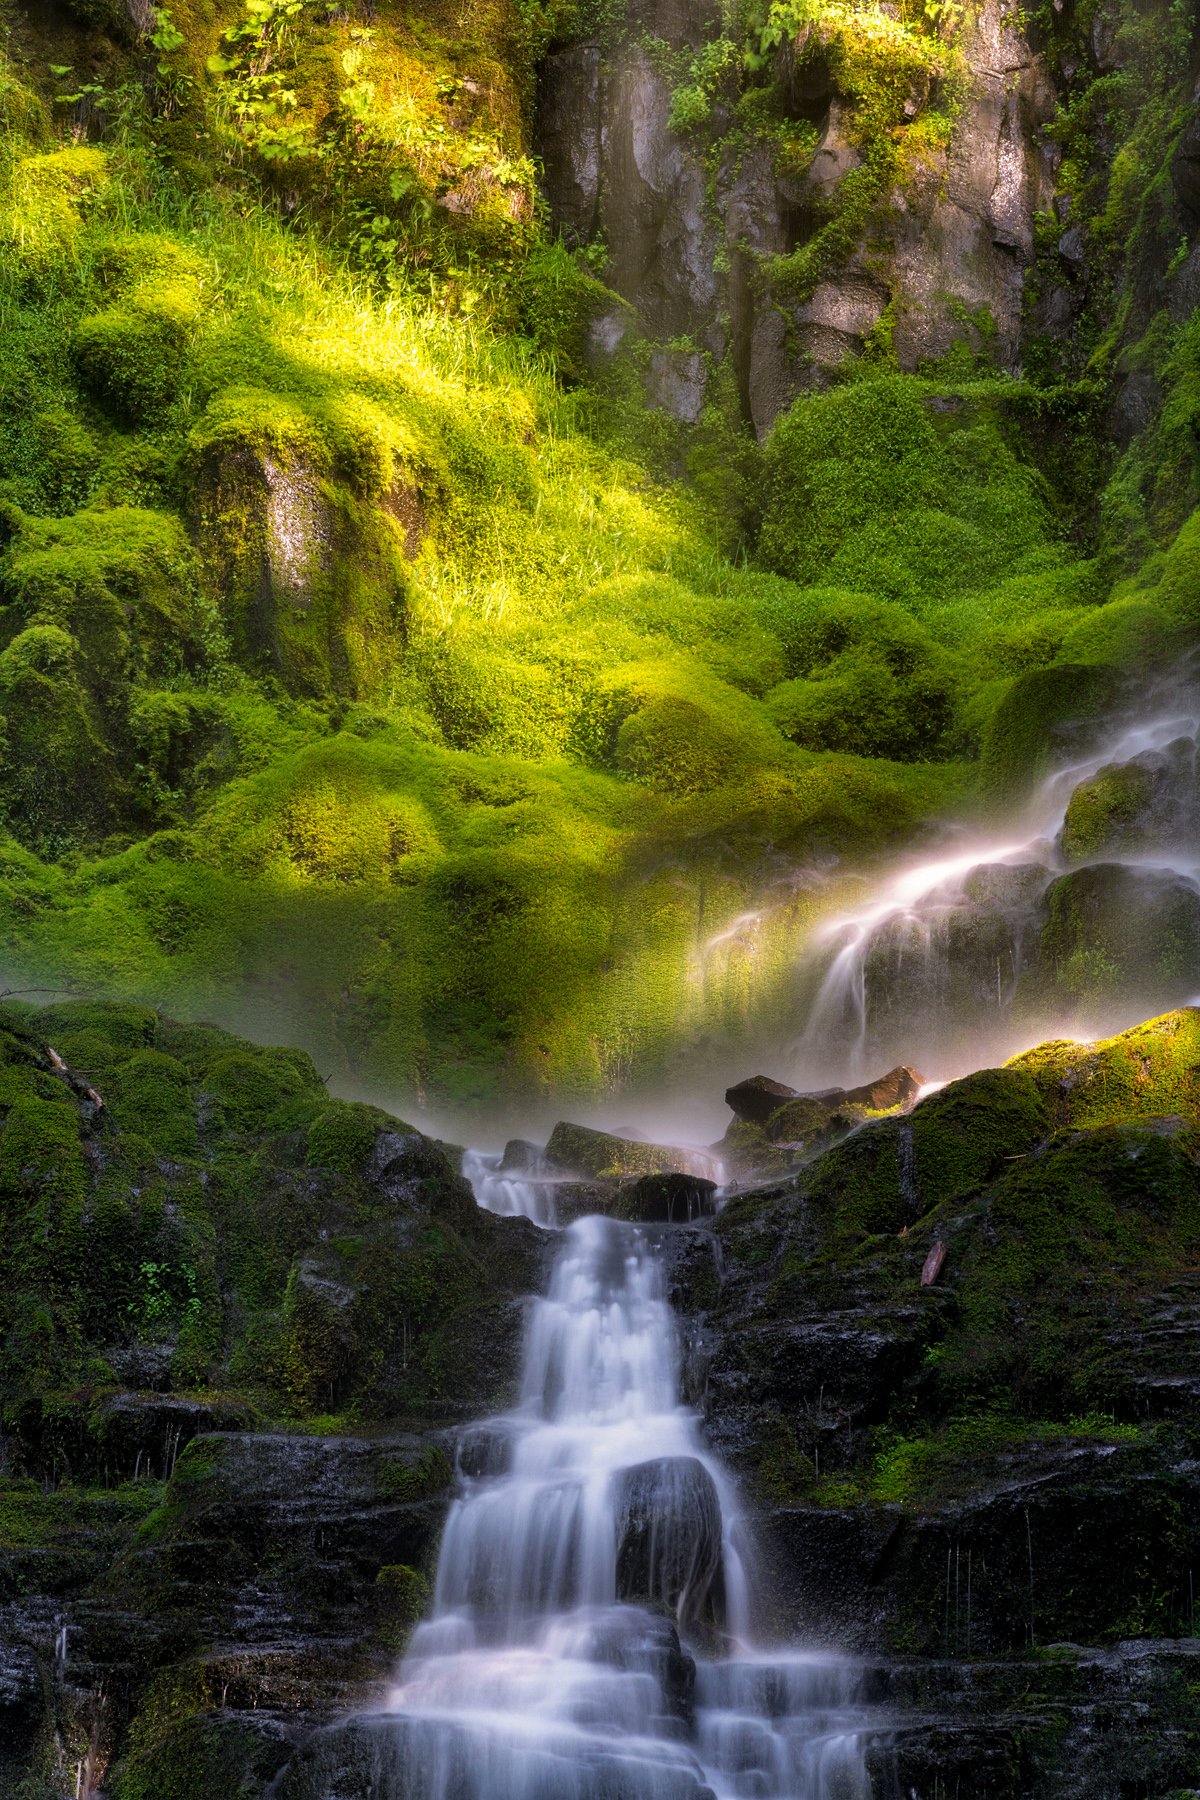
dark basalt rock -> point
(757, 1098)
(520, 1157)
(484, 1450)
(668, 1518)
(666, 1200)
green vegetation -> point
(367, 673)
(176, 1198)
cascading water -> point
(593, 1542)
(510, 1195)
(956, 961)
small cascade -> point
(589, 1630)
(1084, 915)
(512, 1195)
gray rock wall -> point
(948, 250)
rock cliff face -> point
(940, 1472)
(697, 225)
(985, 1487)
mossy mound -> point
(1061, 1189)
(189, 1212)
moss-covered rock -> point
(581, 1151)
(1035, 718)
(1118, 932)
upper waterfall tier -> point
(1082, 915)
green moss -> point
(870, 488)
(343, 1136)
(401, 1596)
(958, 1458)
(1109, 935)
(891, 1174)
(1097, 1212)
(1021, 734)
(407, 1479)
(151, 1094)
(132, 360)
(1104, 813)
(273, 1090)
(1150, 1072)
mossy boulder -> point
(311, 579)
(1037, 717)
(1149, 1072)
(59, 777)
(1136, 806)
(582, 1151)
(1119, 933)
(1108, 813)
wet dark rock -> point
(575, 1199)
(484, 1450)
(410, 1171)
(668, 1518)
(520, 1157)
(143, 1434)
(666, 1199)
(646, 1641)
(757, 1098)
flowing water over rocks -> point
(590, 1625)
(1083, 914)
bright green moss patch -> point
(1150, 1072)
(950, 1463)
(892, 486)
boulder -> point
(668, 1524)
(666, 1199)
(1120, 933)
(579, 1150)
(1127, 808)
(757, 1098)
(520, 1158)
(899, 1087)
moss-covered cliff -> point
(381, 671)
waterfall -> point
(590, 1629)
(510, 1195)
(945, 964)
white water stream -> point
(592, 1534)
(929, 968)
